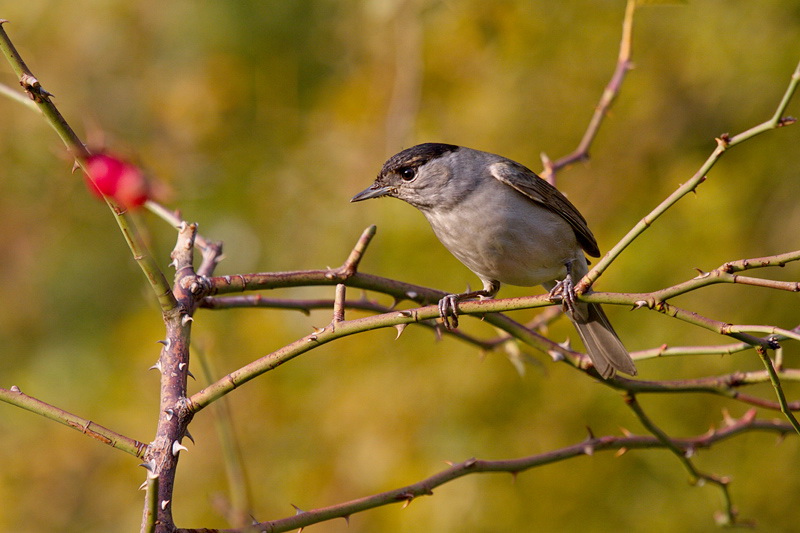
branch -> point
(726, 385)
(589, 446)
(78, 150)
(723, 144)
(684, 456)
(14, 396)
(581, 153)
(776, 384)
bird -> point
(507, 225)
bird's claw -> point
(448, 311)
(564, 291)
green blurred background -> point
(260, 119)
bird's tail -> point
(602, 344)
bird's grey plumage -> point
(507, 225)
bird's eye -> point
(407, 173)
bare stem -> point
(776, 384)
(581, 153)
(16, 397)
(78, 150)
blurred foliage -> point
(260, 119)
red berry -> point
(122, 181)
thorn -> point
(555, 355)
(625, 431)
(164, 504)
(621, 452)
(689, 453)
(405, 314)
(14, 388)
(588, 449)
(170, 413)
(749, 416)
(164, 342)
(347, 519)
(400, 328)
(411, 295)
(177, 448)
(639, 304)
(558, 356)
(156, 366)
(317, 330)
(189, 373)
(514, 476)
(701, 274)
(174, 263)
(188, 436)
(727, 418)
(181, 366)
(590, 432)
(449, 463)
(150, 465)
(185, 319)
(407, 502)
(143, 485)
(297, 510)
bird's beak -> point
(373, 191)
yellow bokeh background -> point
(259, 119)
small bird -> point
(507, 225)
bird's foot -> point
(565, 292)
(448, 310)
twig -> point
(238, 484)
(78, 150)
(684, 456)
(151, 504)
(727, 385)
(776, 384)
(724, 143)
(339, 303)
(41, 97)
(14, 396)
(306, 306)
(581, 153)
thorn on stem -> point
(177, 448)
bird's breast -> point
(513, 240)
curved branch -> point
(589, 446)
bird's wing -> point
(538, 190)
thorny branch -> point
(193, 289)
(591, 445)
